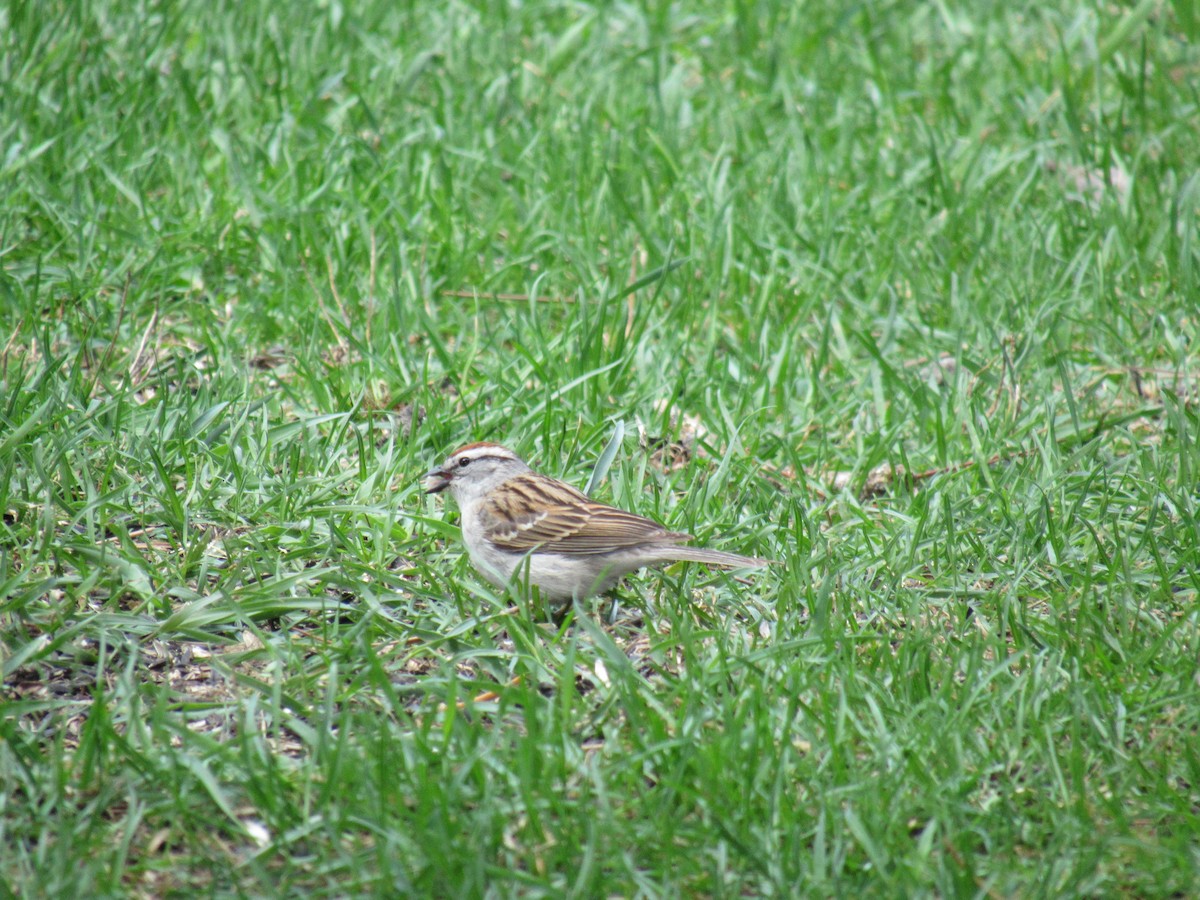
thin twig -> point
(963, 466)
(135, 367)
(11, 340)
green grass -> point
(902, 295)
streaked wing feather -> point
(542, 512)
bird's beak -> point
(436, 481)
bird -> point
(517, 520)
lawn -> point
(905, 296)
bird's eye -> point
(462, 463)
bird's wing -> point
(532, 511)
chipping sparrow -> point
(575, 547)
